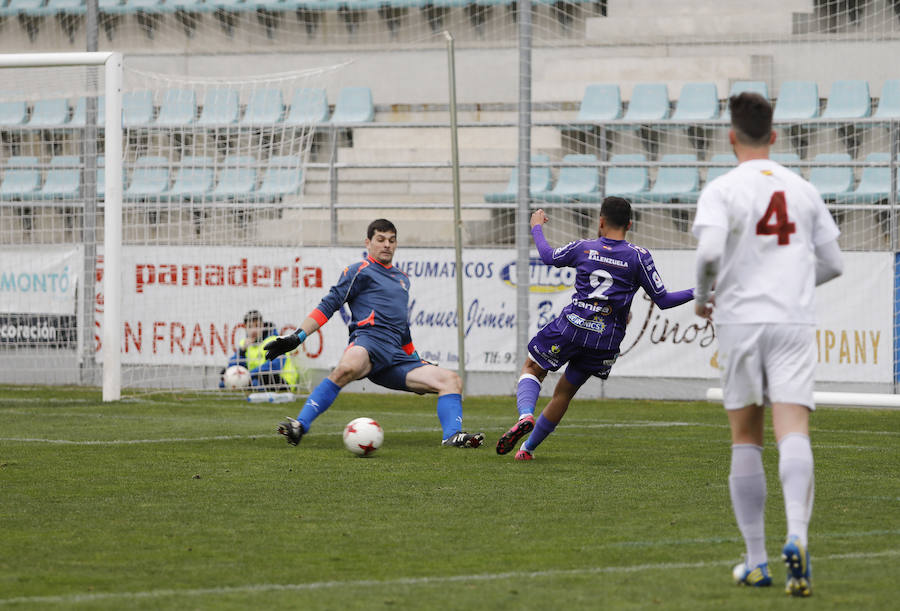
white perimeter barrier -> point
(849, 399)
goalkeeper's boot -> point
(291, 429)
(511, 437)
(524, 454)
(757, 577)
(796, 557)
(463, 440)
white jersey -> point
(774, 219)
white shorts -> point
(767, 363)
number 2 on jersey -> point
(782, 226)
(600, 281)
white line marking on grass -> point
(402, 581)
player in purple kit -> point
(381, 347)
(588, 331)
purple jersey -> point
(608, 274)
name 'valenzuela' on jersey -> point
(378, 297)
(608, 274)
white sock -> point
(795, 468)
(747, 483)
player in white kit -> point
(766, 240)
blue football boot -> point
(796, 557)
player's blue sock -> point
(542, 428)
(527, 391)
(449, 411)
(318, 401)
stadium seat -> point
(680, 184)
(193, 179)
(573, 183)
(354, 105)
(19, 7)
(237, 178)
(177, 108)
(649, 103)
(13, 113)
(848, 100)
(49, 113)
(221, 107)
(739, 87)
(787, 160)
(539, 182)
(101, 176)
(63, 179)
(308, 107)
(64, 7)
(265, 108)
(601, 102)
(697, 102)
(79, 116)
(797, 101)
(137, 109)
(282, 178)
(624, 181)
(889, 102)
(714, 172)
(832, 182)
(874, 182)
(150, 179)
(21, 180)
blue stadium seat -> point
(573, 183)
(101, 176)
(187, 6)
(49, 113)
(622, 180)
(234, 6)
(282, 177)
(538, 183)
(150, 179)
(178, 108)
(354, 105)
(221, 107)
(13, 113)
(848, 100)
(832, 182)
(21, 180)
(874, 182)
(714, 172)
(649, 103)
(65, 7)
(308, 106)
(237, 178)
(787, 160)
(132, 7)
(137, 109)
(193, 179)
(601, 102)
(680, 184)
(697, 102)
(20, 7)
(797, 101)
(63, 179)
(79, 116)
(739, 87)
(889, 102)
(264, 108)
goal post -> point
(111, 63)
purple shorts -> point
(553, 347)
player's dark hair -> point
(252, 316)
(616, 211)
(382, 225)
(751, 118)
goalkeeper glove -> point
(284, 344)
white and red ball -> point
(236, 377)
(363, 436)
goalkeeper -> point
(275, 375)
(381, 347)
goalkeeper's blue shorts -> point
(390, 363)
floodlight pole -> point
(523, 195)
(457, 213)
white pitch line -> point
(401, 581)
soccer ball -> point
(363, 436)
(236, 377)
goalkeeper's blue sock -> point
(318, 401)
(449, 411)
(527, 391)
(542, 428)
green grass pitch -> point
(183, 501)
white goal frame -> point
(112, 217)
